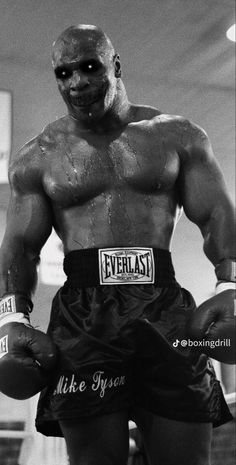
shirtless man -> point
(111, 178)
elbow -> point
(31, 254)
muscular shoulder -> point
(179, 127)
(25, 171)
(32, 160)
(188, 138)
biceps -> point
(29, 221)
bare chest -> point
(79, 169)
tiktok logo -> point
(176, 343)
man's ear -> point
(117, 64)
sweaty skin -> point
(109, 173)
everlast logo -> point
(3, 346)
(7, 304)
(126, 266)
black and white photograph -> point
(117, 232)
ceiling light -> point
(231, 33)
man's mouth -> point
(85, 100)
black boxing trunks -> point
(119, 322)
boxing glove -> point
(27, 355)
(213, 324)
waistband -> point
(119, 266)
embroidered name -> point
(67, 385)
(99, 384)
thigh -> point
(171, 442)
(101, 440)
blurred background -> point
(175, 55)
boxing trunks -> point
(119, 322)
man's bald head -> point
(83, 38)
(87, 71)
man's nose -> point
(78, 81)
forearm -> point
(18, 271)
(219, 235)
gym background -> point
(175, 55)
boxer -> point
(112, 177)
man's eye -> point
(90, 67)
(62, 73)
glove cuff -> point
(12, 304)
(224, 286)
(14, 318)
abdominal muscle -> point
(118, 220)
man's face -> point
(86, 77)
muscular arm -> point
(205, 198)
(29, 224)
